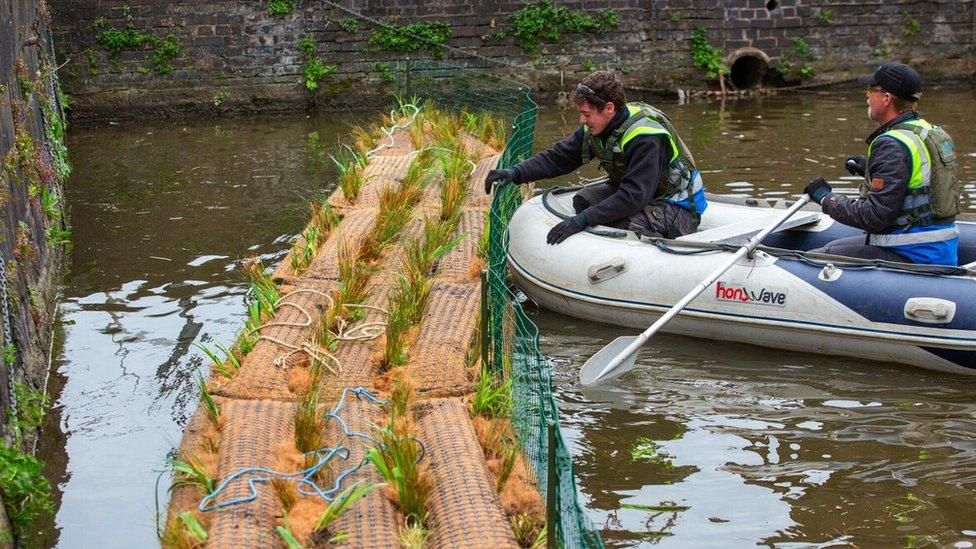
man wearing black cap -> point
(909, 197)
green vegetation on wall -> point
(706, 56)
(25, 492)
(430, 35)
(116, 40)
(280, 7)
(165, 52)
(542, 22)
(792, 66)
(315, 69)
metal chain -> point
(7, 332)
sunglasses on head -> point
(586, 90)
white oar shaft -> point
(684, 301)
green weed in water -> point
(649, 450)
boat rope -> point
(305, 479)
(389, 132)
(342, 331)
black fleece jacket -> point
(646, 156)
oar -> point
(620, 354)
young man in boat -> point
(909, 197)
(653, 188)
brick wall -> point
(31, 198)
(238, 53)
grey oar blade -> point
(592, 372)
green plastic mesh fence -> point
(513, 338)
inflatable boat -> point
(782, 297)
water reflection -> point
(162, 214)
(765, 447)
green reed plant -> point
(255, 272)
(492, 399)
(394, 212)
(193, 526)
(402, 395)
(219, 366)
(454, 187)
(323, 216)
(417, 133)
(413, 295)
(286, 535)
(509, 455)
(190, 472)
(231, 358)
(209, 404)
(445, 127)
(363, 139)
(309, 423)
(339, 506)
(413, 536)
(351, 167)
(397, 326)
(304, 249)
(267, 298)
(354, 274)
(397, 457)
(285, 491)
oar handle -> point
(677, 307)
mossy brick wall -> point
(244, 57)
(32, 170)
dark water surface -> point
(761, 447)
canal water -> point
(703, 445)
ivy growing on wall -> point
(430, 35)
(315, 69)
(280, 7)
(705, 56)
(542, 22)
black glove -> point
(817, 188)
(566, 228)
(503, 177)
(856, 165)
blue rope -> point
(304, 478)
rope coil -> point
(304, 478)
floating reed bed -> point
(406, 443)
